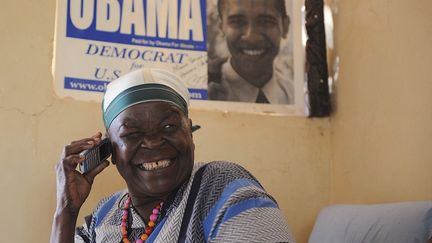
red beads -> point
(148, 230)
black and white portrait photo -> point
(250, 51)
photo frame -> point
(307, 28)
(318, 94)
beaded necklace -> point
(150, 225)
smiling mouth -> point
(253, 52)
(155, 165)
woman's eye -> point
(131, 135)
(169, 128)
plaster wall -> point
(381, 128)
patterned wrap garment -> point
(221, 202)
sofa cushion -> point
(403, 222)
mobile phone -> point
(95, 155)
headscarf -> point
(140, 86)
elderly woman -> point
(168, 197)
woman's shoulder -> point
(222, 167)
(219, 174)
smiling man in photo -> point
(253, 30)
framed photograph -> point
(256, 57)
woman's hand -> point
(73, 187)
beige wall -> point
(378, 139)
(381, 131)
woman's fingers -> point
(71, 161)
(96, 137)
(71, 155)
(76, 149)
(78, 146)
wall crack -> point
(24, 113)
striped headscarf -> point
(143, 85)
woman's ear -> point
(193, 128)
(190, 127)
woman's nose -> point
(152, 141)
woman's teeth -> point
(253, 52)
(155, 165)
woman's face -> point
(152, 148)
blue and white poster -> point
(97, 41)
(241, 55)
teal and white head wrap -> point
(143, 85)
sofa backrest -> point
(405, 222)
